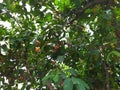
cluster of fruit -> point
(37, 48)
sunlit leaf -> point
(73, 72)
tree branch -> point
(79, 12)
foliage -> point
(62, 44)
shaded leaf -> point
(60, 58)
(7, 3)
(80, 83)
(116, 53)
(68, 85)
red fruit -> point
(56, 47)
(54, 51)
(53, 62)
(37, 49)
(37, 43)
(22, 78)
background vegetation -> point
(62, 44)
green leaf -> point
(68, 85)
(52, 75)
(7, 3)
(67, 2)
(48, 76)
(80, 83)
(77, 3)
(48, 16)
(56, 78)
(62, 4)
(1, 6)
(72, 71)
(113, 52)
(95, 52)
(75, 80)
(2, 31)
(79, 87)
(56, 2)
(63, 75)
(60, 58)
(4, 50)
(117, 11)
(89, 11)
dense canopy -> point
(59, 44)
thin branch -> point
(79, 12)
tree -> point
(62, 44)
